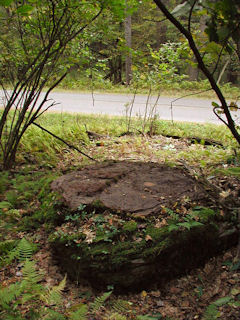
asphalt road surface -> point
(186, 109)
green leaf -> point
(5, 204)
(214, 104)
(211, 313)
(25, 9)
(223, 33)
(5, 3)
(80, 313)
(222, 301)
(173, 227)
(236, 266)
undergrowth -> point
(28, 298)
(26, 204)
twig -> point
(60, 139)
(146, 109)
(217, 115)
(190, 15)
(131, 108)
(223, 70)
(187, 95)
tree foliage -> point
(35, 43)
(185, 29)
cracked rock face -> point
(136, 188)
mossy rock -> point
(131, 225)
(131, 255)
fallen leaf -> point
(148, 238)
(90, 236)
(143, 294)
(149, 184)
(174, 290)
(235, 291)
(225, 194)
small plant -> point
(177, 223)
(130, 226)
(212, 311)
(72, 217)
(203, 214)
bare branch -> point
(190, 15)
(65, 142)
(185, 96)
(216, 114)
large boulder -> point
(131, 224)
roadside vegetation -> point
(199, 89)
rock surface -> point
(137, 188)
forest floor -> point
(210, 292)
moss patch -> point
(107, 249)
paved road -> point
(195, 110)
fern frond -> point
(99, 301)
(30, 274)
(80, 313)
(24, 250)
(54, 295)
(52, 315)
(121, 306)
(211, 313)
(10, 257)
(115, 316)
(6, 246)
(9, 294)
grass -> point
(39, 147)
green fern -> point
(51, 315)
(5, 248)
(121, 306)
(9, 294)
(54, 295)
(23, 251)
(29, 285)
(211, 313)
(28, 290)
(115, 316)
(80, 313)
(29, 272)
(99, 301)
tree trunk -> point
(192, 72)
(161, 29)
(128, 39)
